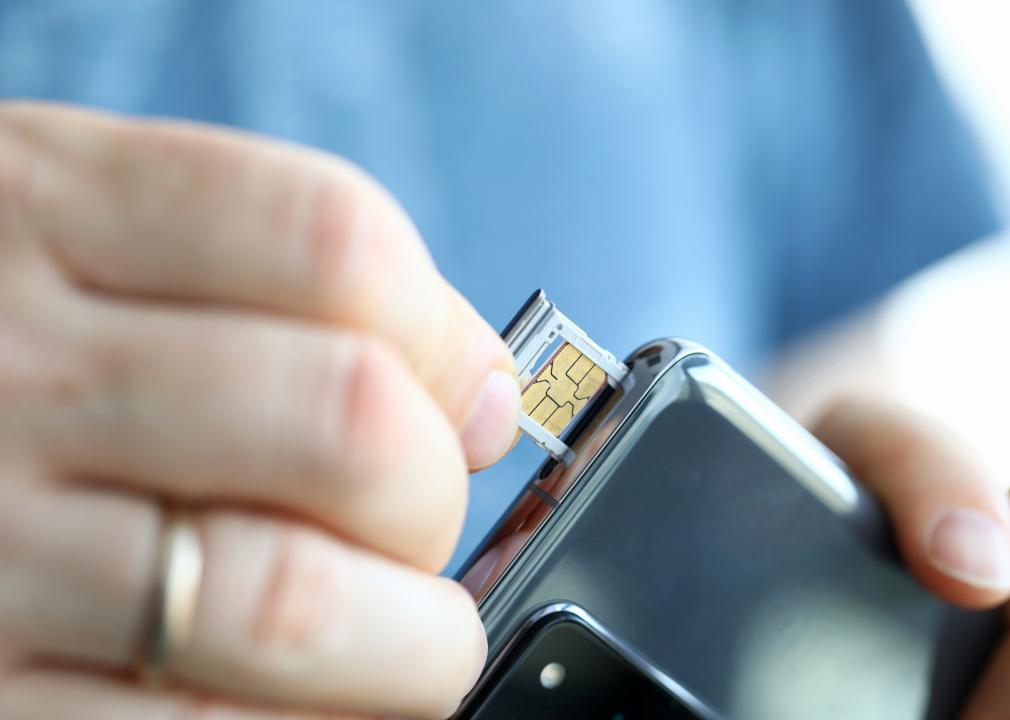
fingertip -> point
(490, 430)
(971, 549)
(960, 554)
(951, 519)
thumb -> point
(951, 520)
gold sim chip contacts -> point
(559, 389)
(562, 388)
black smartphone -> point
(565, 664)
(695, 553)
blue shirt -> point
(735, 172)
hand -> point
(256, 332)
(951, 520)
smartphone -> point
(695, 553)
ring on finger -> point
(177, 588)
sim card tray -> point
(531, 332)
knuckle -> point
(310, 448)
(375, 451)
(376, 388)
(398, 459)
(321, 454)
(299, 595)
(333, 256)
(349, 242)
(400, 436)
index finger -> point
(183, 212)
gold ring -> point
(177, 588)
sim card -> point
(560, 370)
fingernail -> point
(491, 427)
(970, 546)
